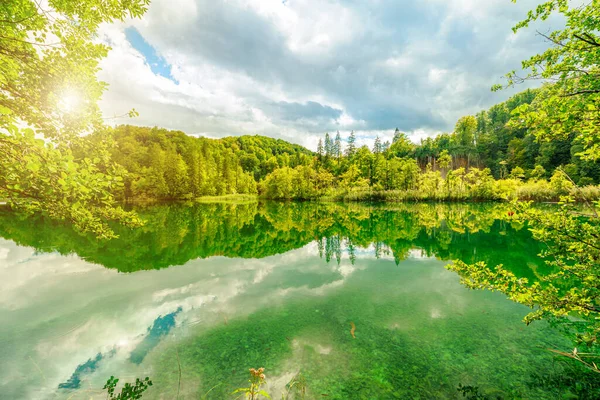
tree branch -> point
(57, 44)
(7, 21)
(550, 39)
(589, 40)
(588, 91)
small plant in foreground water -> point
(296, 385)
(257, 379)
(470, 392)
(129, 391)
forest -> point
(485, 158)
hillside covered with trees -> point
(487, 157)
(161, 164)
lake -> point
(353, 301)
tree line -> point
(169, 165)
(485, 158)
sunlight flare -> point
(70, 102)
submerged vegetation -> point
(345, 294)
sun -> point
(70, 102)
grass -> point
(229, 198)
(539, 191)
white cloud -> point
(300, 68)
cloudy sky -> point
(295, 69)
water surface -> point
(215, 289)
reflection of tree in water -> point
(177, 233)
(351, 251)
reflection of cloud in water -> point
(435, 313)
(107, 309)
(321, 290)
(23, 268)
(159, 329)
(277, 385)
(319, 348)
(419, 254)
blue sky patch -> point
(91, 365)
(157, 63)
(159, 329)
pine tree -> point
(397, 135)
(328, 146)
(351, 148)
(320, 150)
(386, 145)
(377, 147)
(337, 146)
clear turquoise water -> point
(217, 288)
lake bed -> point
(353, 300)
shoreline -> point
(388, 196)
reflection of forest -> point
(176, 233)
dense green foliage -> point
(77, 178)
(486, 157)
(490, 139)
(490, 156)
(568, 102)
(48, 62)
(566, 106)
(261, 155)
(48, 85)
(164, 164)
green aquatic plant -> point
(254, 391)
(470, 392)
(129, 391)
(297, 386)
